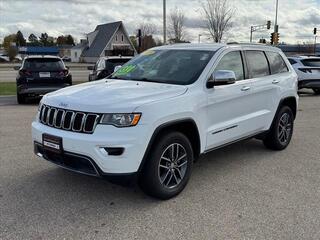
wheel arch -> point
(291, 102)
(186, 126)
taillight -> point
(24, 72)
(64, 73)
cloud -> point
(77, 17)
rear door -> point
(230, 107)
(268, 73)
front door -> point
(230, 107)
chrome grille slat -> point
(94, 124)
(60, 118)
(55, 117)
(48, 114)
(74, 122)
(51, 120)
(70, 123)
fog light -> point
(114, 151)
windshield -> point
(41, 64)
(166, 66)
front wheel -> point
(316, 90)
(169, 166)
(280, 133)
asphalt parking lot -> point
(243, 191)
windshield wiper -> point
(113, 77)
(146, 80)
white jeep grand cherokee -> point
(160, 111)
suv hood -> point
(106, 96)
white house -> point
(76, 51)
(109, 39)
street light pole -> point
(276, 20)
(200, 38)
(164, 22)
(315, 44)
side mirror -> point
(91, 68)
(16, 68)
(116, 68)
(221, 77)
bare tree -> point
(217, 15)
(177, 26)
(147, 29)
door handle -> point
(245, 88)
(275, 81)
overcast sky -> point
(297, 18)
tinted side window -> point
(311, 62)
(233, 62)
(277, 64)
(292, 61)
(257, 64)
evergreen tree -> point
(20, 40)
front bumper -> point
(91, 148)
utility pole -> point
(164, 23)
(315, 40)
(276, 20)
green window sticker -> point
(125, 70)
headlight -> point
(121, 119)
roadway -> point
(243, 191)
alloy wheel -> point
(284, 128)
(172, 165)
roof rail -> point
(231, 43)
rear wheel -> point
(21, 99)
(280, 133)
(316, 90)
(169, 166)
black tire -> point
(21, 99)
(316, 91)
(165, 181)
(280, 133)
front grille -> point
(68, 120)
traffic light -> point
(268, 24)
(272, 39)
(276, 40)
(315, 31)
